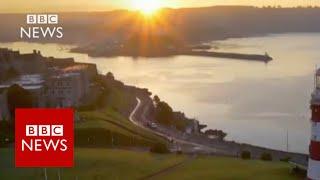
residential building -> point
(66, 89)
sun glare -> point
(147, 7)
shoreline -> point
(223, 147)
(207, 146)
(227, 55)
(253, 145)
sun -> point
(147, 7)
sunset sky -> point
(25, 6)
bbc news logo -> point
(41, 26)
(42, 144)
(44, 138)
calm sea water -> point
(253, 102)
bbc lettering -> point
(43, 144)
(44, 130)
(39, 144)
(42, 19)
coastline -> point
(208, 146)
(224, 147)
(170, 53)
(147, 86)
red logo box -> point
(44, 138)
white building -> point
(66, 89)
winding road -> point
(134, 114)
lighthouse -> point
(314, 148)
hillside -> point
(104, 120)
(188, 24)
(109, 128)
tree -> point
(159, 148)
(266, 156)
(6, 133)
(245, 155)
(164, 113)
(156, 99)
(18, 97)
(110, 76)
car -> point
(153, 125)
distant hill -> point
(188, 24)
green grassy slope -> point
(93, 164)
(112, 164)
(230, 168)
(114, 122)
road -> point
(136, 122)
(181, 143)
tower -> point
(314, 148)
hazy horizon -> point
(22, 6)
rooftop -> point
(75, 68)
(30, 81)
(65, 75)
